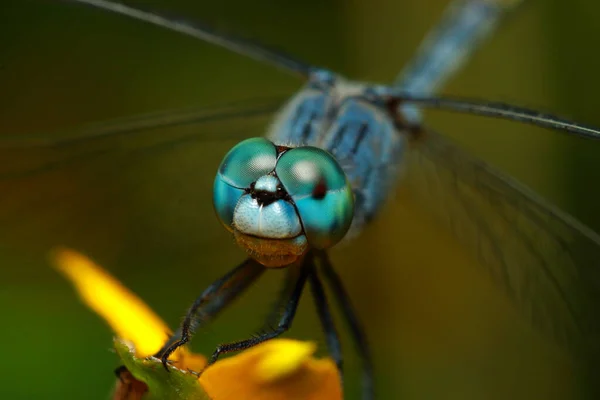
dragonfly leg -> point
(356, 329)
(289, 300)
(210, 302)
(324, 312)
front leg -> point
(210, 302)
(289, 300)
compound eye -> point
(319, 188)
(241, 167)
(248, 161)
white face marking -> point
(278, 220)
(267, 183)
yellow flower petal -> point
(282, 358)
(279, 369)
(129, 317)
(276, 370)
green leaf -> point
(173, 385)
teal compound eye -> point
(242, 165)
(320, 190)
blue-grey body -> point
(340, 117)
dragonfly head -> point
(280, 201)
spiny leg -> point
(331, 336)
(356, 329)
(289, 301)
(219, 294)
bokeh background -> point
(438, 327)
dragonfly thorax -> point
(280, 201)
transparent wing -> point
(136, 135)
(202, 31)
(545, 260)
(114, 181)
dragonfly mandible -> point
(544, 259)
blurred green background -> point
(438, 327)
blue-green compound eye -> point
(244, 164)
(321, 192)
(248, 161)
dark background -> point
(438, 328)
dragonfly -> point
(332, 156)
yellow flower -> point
(275, 370)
